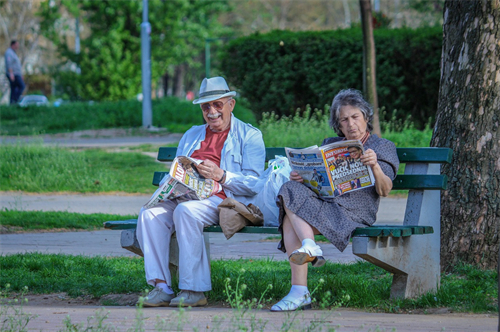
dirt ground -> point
(62, 299)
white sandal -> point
(291, 304)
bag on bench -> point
(234, 215)
(268, 186)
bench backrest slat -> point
(402, 182)
(405, 155)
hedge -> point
(282, 70)
(172, 113)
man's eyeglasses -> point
(217, 105)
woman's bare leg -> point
(292, 242)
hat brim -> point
(214, 97)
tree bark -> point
(178, 84)
(468, 122)
(369, 75)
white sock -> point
(164, 287)
(298, 291)
(308, 243)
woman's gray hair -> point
(354, 98)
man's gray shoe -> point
(189, 299)
(157, 298)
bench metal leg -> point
(129, 241)
(414, 260)
(414, 274)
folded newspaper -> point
(333, 169)
(184, 180)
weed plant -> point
(358, 285)
(38, 168)
(13, 220)
(12, 315)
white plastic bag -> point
(268, 186)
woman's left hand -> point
(369, 158)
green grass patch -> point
(38, 168)
(48, 220)
(358, 285)
(175, 114)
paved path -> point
(222, 319)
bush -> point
(282, 70)
(172, 113)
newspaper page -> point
(309, 164)
(346, 172)
(333, 169)
(184, 180)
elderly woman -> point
(303, 213)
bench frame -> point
(413, 259)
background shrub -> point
(282, 70)
(175, 114)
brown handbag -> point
(234, 215)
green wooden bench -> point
(410, 251)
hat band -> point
(211, 93)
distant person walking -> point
(13, 72)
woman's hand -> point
(369, 158)
(383, 184)
(210, 170)
(294, 176)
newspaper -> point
(184, 180)
(333, 169)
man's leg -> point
(12, 89)
(19, 83)
(194, 264)
(154, 231)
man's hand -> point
(210, 170)
(294, 176)
(12, 77)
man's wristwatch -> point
(223, 178)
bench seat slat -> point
(248, 229)
(121, 224)
(373, 231)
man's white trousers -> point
(155, 227)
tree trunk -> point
(468, 122)
(178, 84)
(369, 77)
(166, 81)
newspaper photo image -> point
(333, 169)
(184, 180)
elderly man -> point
(233, 154)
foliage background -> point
(108, 66)
(282, 70)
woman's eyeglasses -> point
(217, 105)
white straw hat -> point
(212, 89)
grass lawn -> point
(42, 169)
(12, 220)
(358, 285)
